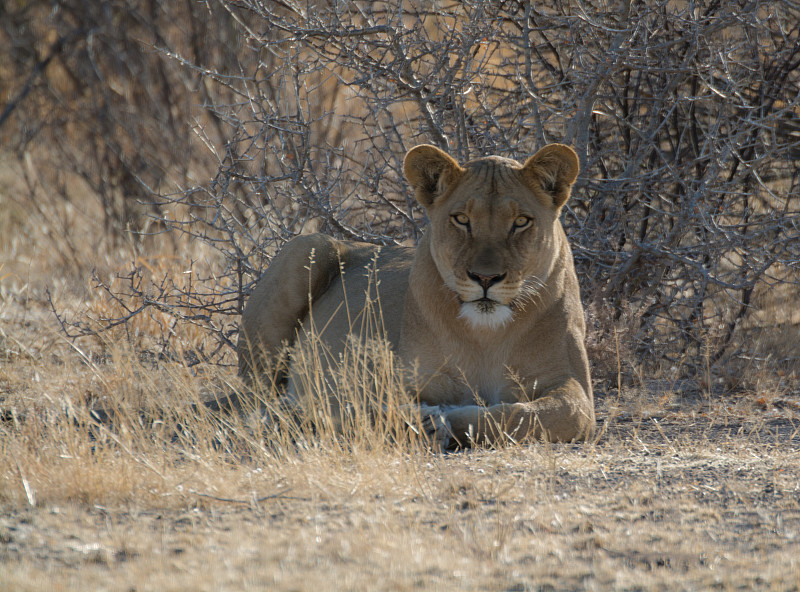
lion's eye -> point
(461, 220)
(521, 223)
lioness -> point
(486, 310)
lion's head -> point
(495, 230)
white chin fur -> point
(485, 315)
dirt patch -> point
(687, 500)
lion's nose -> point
(486, 281)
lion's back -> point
(344, 308)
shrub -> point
(685, 117)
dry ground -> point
(678, 490)
(684, 516)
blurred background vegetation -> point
(216, 131)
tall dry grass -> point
(99, 422)
(676, 490)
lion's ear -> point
(554, 169)
(430, 172)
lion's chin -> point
(485, 314)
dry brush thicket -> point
(241, 124)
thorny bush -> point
(685, 115)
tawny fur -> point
(486, 310)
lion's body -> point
(485, 314)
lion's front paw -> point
(435, 426)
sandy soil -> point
(684, 495)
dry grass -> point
(678, 490)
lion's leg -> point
(562, 414)
(299, 274)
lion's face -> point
(494, 226)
